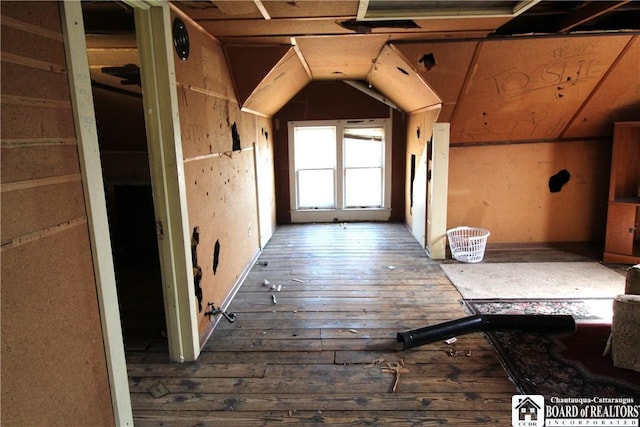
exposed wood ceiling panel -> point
(335, 45)
(392, 76)
(250, 65)
(347, 57)
(284, 81)
(530, 89)
(444, 66)
(617, 98)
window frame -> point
(341, 212)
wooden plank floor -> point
(317, 354)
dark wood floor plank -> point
(317, 354)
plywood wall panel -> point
(504, 188)
(39, 15)
(32, 47)
(40, 208)
(616, 100)
(221, 199)
(206, 128)
(205, 68)
(265, 178)
(20, 80)
(54, 369)
(51, 347)
(29, 122)
(530, 89)
(34, 162)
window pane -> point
(315, 189)
(314, 147)
(363, 147)
(363, 187)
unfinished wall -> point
(419, 131)
(54, 370)
(506, 189)
(333, 100)
(522, 110)
(222, 147)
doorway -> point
(117, 97)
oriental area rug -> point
(567, 365)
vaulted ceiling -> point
(501, 70)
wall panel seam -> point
(26, 61)
(30, 28)
(40, 182)
(35, 102)
(35, 142)
(45, 232)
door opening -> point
(117, 98)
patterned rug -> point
(569, 365)
(583, 310)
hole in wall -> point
(235, 137)
(403, 71)
(197, 270)
(428, 61)
(216, 256)
(418, 132)
(413, 176)
(557, 181)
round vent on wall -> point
(181, 39)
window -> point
(338, 170)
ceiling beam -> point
(587, 13)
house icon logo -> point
(527, 410)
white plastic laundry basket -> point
(468, 243)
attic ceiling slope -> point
(530, 89)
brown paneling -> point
(279, 86)
(35, 47)
(392, 76)
(40, 208)
(54, 370)
(34, 162)
(18, 122)
(205, 68)
(249, 65)
(220, 183)
(39, 15)
(504, 188)
(19, 80)
(342, 57)
(530, 89)
(398, 154)
(207, 126)
(222, 204)
(617, 98)
(452, 60)
(53, 363)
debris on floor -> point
(396, 368)
(159, 390)
(374, 363)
